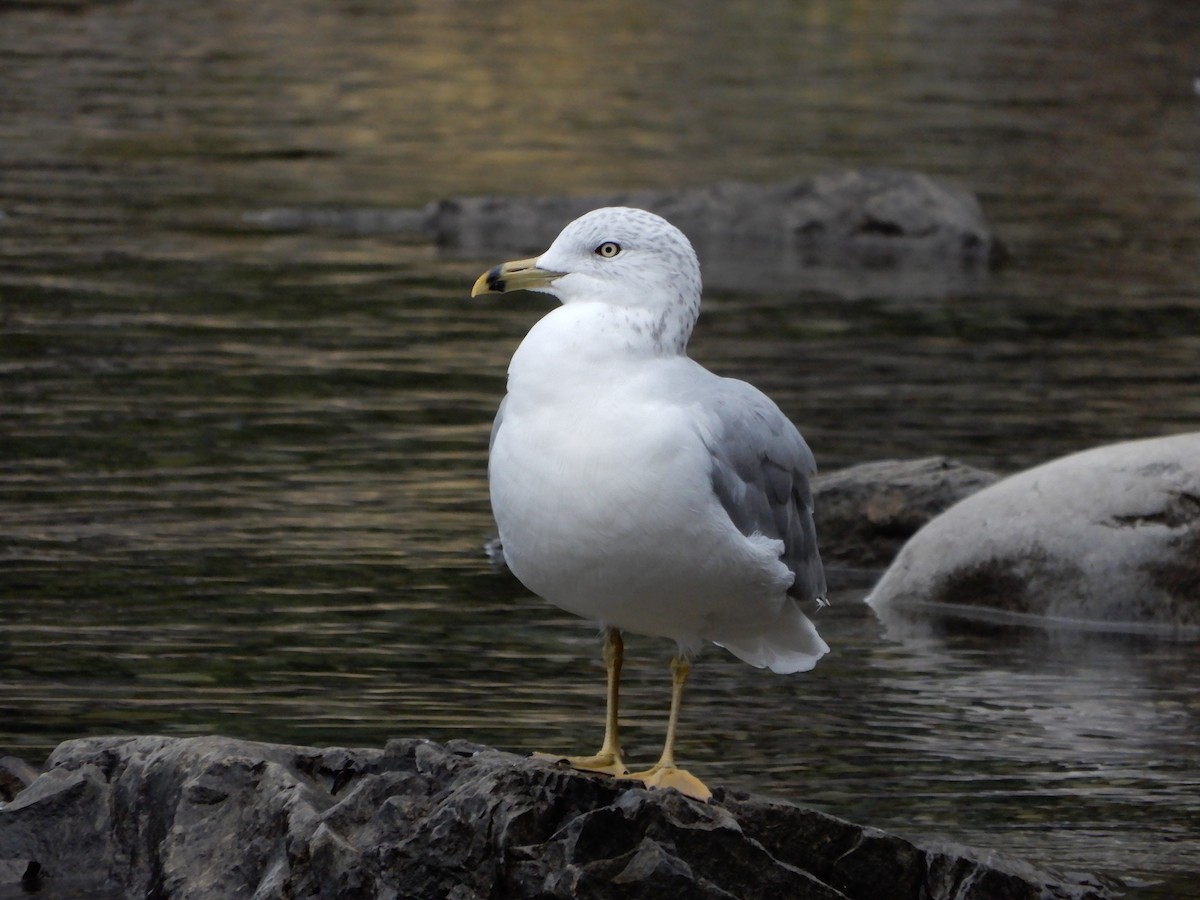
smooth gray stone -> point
(1107, 539)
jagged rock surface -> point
(220, 818)
(1107, 538)
(865, 513)
(15, 776)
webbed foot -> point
(605, 762)
(660, 776)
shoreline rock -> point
(218, 817)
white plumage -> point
(632, 486)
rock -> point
(865, 513)
(1108, 538)
(873, 216)
(221, 818)
(15, 776)
(747, 235)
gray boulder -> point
(865, 513)
(15, 776)
(219, 818)
(879, 217)
(747, 235)
(1108, 539)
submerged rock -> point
(865, 513)
(921, 234)
(221, 818)
(1108, 538)
(877, 217)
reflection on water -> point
(242, 473)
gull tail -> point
(790, 645)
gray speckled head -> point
(629, 258)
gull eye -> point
(608, 249)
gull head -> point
(626, 258)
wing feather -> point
(761, 471)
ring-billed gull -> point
(635, 488)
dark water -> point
(242, 472)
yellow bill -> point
(520, 274)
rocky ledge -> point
(214, 817)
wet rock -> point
(215, 817)
(872, 216)
(1108, 538)
(865, 513)
(747, 235)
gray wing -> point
(495, 548)
(496, 422)
(761, 468)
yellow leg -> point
(608, 760)
(664, 773)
